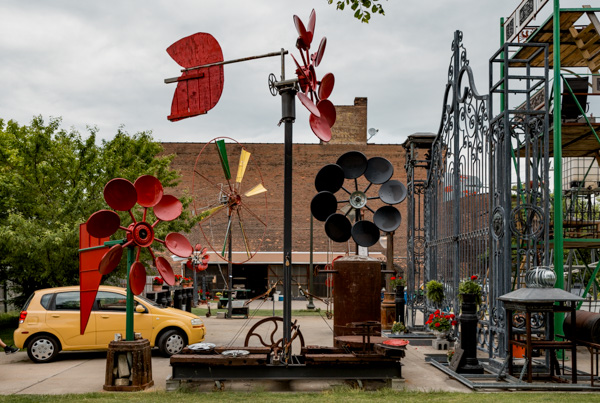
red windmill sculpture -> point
(314, 93)
(199, 259)
(122, 195)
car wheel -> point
(43, 348)
(171, 342)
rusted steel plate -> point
(218, 359)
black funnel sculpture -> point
(330, 179)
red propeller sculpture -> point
(122, 195)
(199, 259)
(314, 93)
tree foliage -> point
(51, 180)
(362, 8)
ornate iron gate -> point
(473, 224)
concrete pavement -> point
(83, 372)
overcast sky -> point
(102, 63)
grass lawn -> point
(342, 395)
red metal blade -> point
(320, 127)
(103, 223)
(120, 194)
(178, 245)
(312, 74)
(326, 86)
(328, 111)
(304, 42)
(89, 277)
(168, 208)
(311, 22)
(198, 90)
(165, 270)
(137, 278)
(320, 52)
(149, 190)
(111, 259)
(310, 105)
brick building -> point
(349, 134)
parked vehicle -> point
(50, 323)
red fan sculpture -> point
(199, 259)
(314, 94)
(122, 195)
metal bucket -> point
(587, 326)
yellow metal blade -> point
(258, 189)
(207, 213)
(244, 157)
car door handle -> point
(104, 316)
(56, 316)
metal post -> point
(194, 300)
(129, 304)
(288, 99)
(457, 172)
(311, 304)
(230, 278)
(558, 214)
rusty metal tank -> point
(587, 326)
(357, 293)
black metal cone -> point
(392, 192)
(365, 233)
(338, 228)
(323, 205)
(354, 164)
(379, 170)
(329, 178)
(387, 218)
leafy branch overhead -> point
(362, 8)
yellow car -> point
(49, 323)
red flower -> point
(437, 312)
(473, 277)
(393, 278)
(428, 322)
(437, 324)
(431, 317)
(453, 323)
(452, 316)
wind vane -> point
(200, 85)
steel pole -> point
(311, 304)
(129, 304)
(288, 104)
(558, 215)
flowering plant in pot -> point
(186, 282)
(397, 281)
(178, 278)
(157, 281)
(470, 286)
(440, 322)
(398, 327)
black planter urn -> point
(468, 336)
(400, 304)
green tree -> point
(51, 180)
(362, 8)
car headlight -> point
(197, 322)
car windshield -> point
(146, 300)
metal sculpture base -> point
(128, 366)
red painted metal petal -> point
(189, 265)
(311, 22)
(178, 245)
(304, 43)
(120, 194)
(103, 223)
(168, 208)
(149, 190)
(197, 247)
(320, 52)
(328, 111)
(320, 127)
(137, 278)
(111, 259)
(310, 105)
(326, 86)
(196, 50)
(165, 270)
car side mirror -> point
(140, 308)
